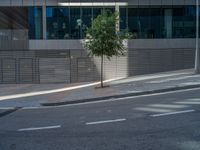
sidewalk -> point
(35, 95)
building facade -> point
(41, 40)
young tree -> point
(104, 39)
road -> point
(168, 121)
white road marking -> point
(172, 113)
(105, 121)
(168, 106)
(40, 128)
(190, 83)
(194, 99)
(189, 103)
(5, 108)
(113, 99)
(153, 109)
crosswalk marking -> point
(194, 99)
(172, 113)
(168, 106)
(188, 102)
(153, 109)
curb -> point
(176, 88)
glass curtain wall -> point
(70, 22)
(145, 22)
(58, 23)
(155, 22)
(178, 22)
(189, 22)
(148, 22)
(123, 19)
(35, 22)
(133, 22)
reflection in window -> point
(63, 23)
(96, 12)
(35, 22)
(190, 22)
(178, 22)
(75, 22)
(155, 24)
(144, 23)
(141, 21)
(52, 23)
(58, 23)
(133, 22)
(123, 19)
(86, 20)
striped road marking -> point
(105, 121)
(173, 113)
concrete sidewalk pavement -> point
(35, 95)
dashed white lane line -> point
(40, 128)
(173, 113)
(105, 121)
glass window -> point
(75, 23)
(96, 12)
(35, 22)
(178, 22)
(52, 23)
(133, 22)
(123, 18)
(155, 24)
(86, 20)
(63, 23)
(166, 22)
(190, 22)
(144, 23)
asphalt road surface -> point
(169, 121)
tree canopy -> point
(103, 38)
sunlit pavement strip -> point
(15, 96)
(105, 121)
(173, 113)
(40, 128)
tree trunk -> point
(101, 71)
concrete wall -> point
(70, 66)
(132, 44)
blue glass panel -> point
(35, 22)
(75, 23)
